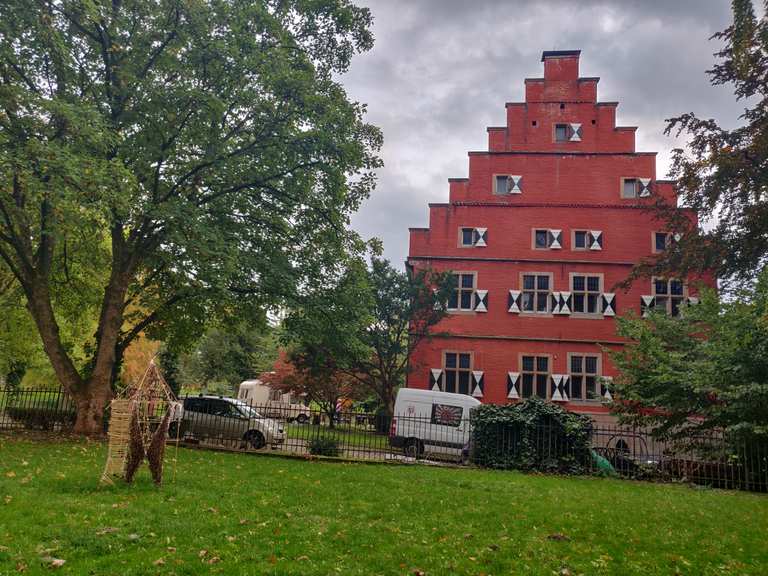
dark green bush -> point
(531, 435)
(324, 446)
(44, 418)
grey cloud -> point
(441, 71)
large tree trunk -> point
(90, 401)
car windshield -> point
(247, 410)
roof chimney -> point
(561, 64)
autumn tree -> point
(722, 174)
(321, 384)
(199, 157)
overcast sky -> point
(441, 70)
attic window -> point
(562, 106)
(561, 132)
(568, 132)
(533, 123)
(629, 188)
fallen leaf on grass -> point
(557, 536)
(231, 538)
(171, 549)
(106, 530)
(133, 537)
(243, 521)
(418, 572)
(302, 558)
(159, 562)
(54, 562)
(214, 560)
(10, 474)
(21, 567)
(202, 553)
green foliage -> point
(704, 371)
(226, 355)
(367, 322)
(722, 173)
(531, 435)
(324, 446)
(166, 164)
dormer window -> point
(635, 187)
(568, 132)
(508, 184)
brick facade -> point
(569, 169)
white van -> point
(272, 403)
(431, 422)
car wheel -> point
(413, 448)
(302, 419)
(255, 439)
(173, 430)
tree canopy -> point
(200, 157)
(722, 174)
(368, 323)
(706, 370)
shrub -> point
(324, 446)
(531, 435)
(45, 418)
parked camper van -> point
(431, 422)
(272, 403)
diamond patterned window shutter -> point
(605, 382)
(512, 380)
(646, 304)
(435, 379)
(561, 303)
(555, 239)
(554, 302)
(481, 236)
(645, 187)
(559, 391)
(609, 304)
(515, 184)
(575, 133)
(481, 300)
(595, 240)
(513, 302)
(478, 384)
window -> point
(458, 367)
(468, 236)
(668, 294)
(580, 240)
(446, 415)
(585, 291)
(534, 297)
(275, 396)
(584, 376)
(541, 239)
(660, 240)
(535, 375)
(508, 184)
(462, 296)
(561, 132)
(629, 187)
(546, 239)
(567, 132)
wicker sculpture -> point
(138, 427)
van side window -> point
(447, 415)
(275, 395)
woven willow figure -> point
(138, 427)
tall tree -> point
(723, 174)
(199, 155)
(706, 370)
(369, 323)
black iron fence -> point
(444, 435)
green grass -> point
(347, 436)
(239, 514)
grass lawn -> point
(344, 434)
(243, 514)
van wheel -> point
(173, 431)
(302, 419)
(255, 439)
(414, 448)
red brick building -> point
(549, 221)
